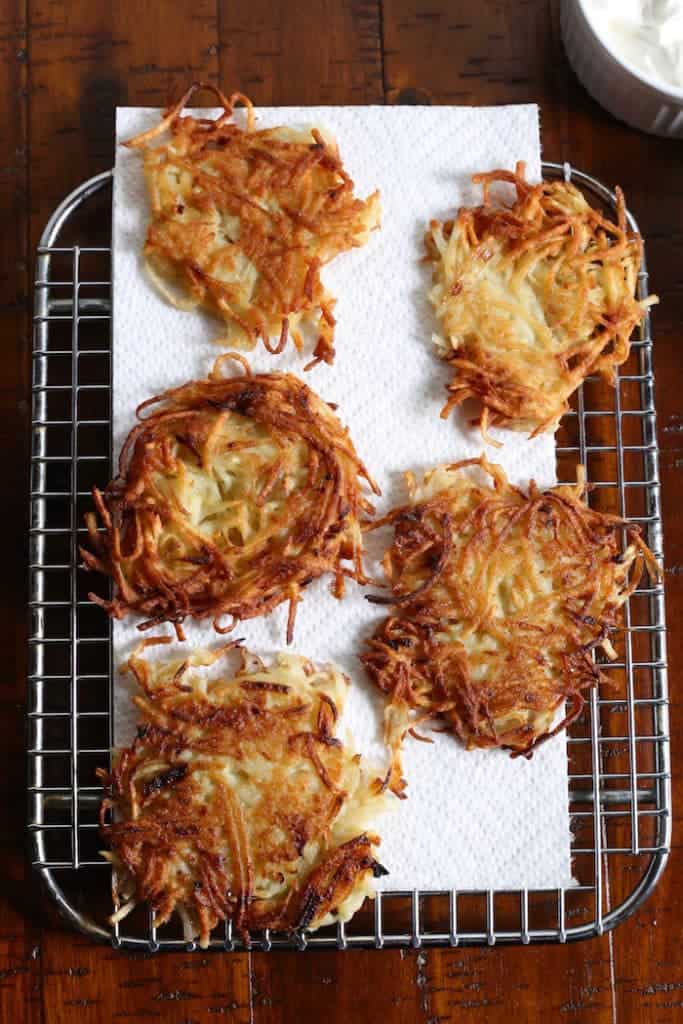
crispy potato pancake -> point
(237, 801)
(233, 494)
(500, 597)
(531, 298)
(242, 221)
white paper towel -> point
(471, 820)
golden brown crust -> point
(244, 220)
(500, 599)
(232, 495)
(531, 298)
(237, 801)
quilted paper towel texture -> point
(472, 820)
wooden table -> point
(65, 67)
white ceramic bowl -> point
(624, 90)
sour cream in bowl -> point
(629, 56)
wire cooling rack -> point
(619, 773)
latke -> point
(500, 597)
(243, 221)
(233, 494)
(531, 298)
(237, 801)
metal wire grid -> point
(619, 779)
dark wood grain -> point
(87, 58)
(65, 66)
(20, 997)
(285, 53)
(92, 984)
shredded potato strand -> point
(498, 636)
(233, 494)
(243, 222)
(531, 298)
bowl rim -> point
(671, 92)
